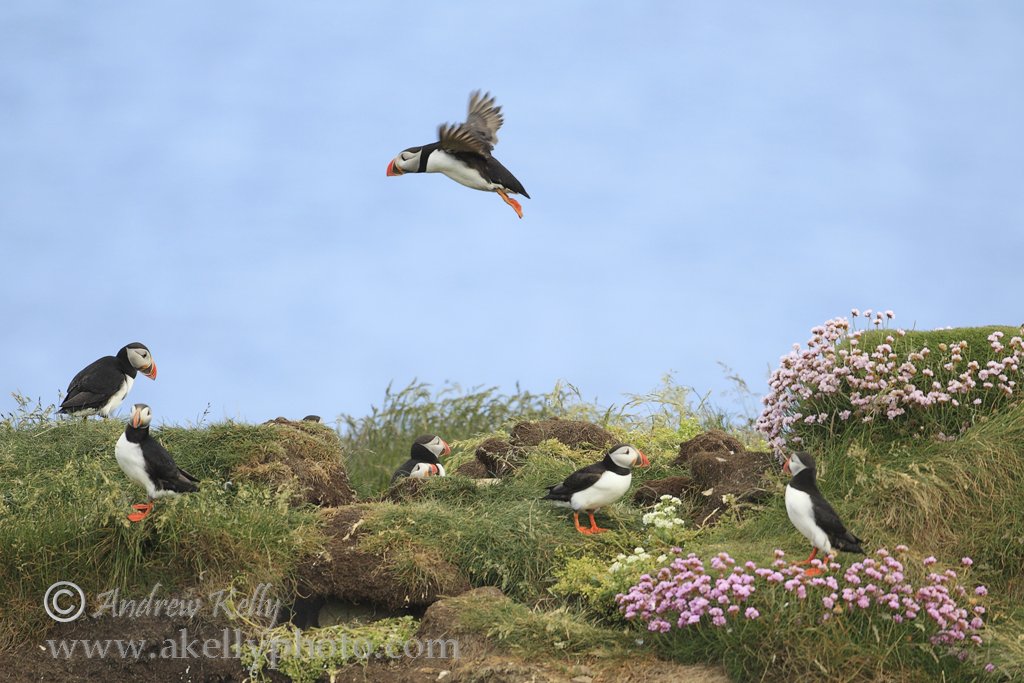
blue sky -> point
(709, 181)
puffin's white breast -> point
(440, 161)
(129, 457)
(801, 514)
(115, 400)
(605, 491)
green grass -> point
(63, 507)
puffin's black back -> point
(94, 384)
(160, 466)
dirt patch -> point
(650, 492)
(474, 469)
(500, 457)
(575, 434)
(345, 572)
(162, 638)
(493, 454)
(306, 457)
(737, 476)
(711, 441)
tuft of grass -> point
(311, 655)
(377, 443)
(537, 633)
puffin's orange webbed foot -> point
(576, 521)
(142, 511)
(594, 528)
(511, 202)
(814, 553)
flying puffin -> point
(597, 485)
(463, 153)
(148, 464)
(811, 514)
(425, 449)
(100, 387)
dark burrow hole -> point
(327, 610)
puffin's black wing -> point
(575, 482)
(479, 134)
(161, 468)
(93, 385)
(404, 470)
(483, 117)
(825, 517)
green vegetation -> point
(378, 443)
(306, 657)
(63, 507)
(63, 501)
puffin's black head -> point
(141, 415)
(407, 161)
(798, 462)
(624, 455)
(140, 358)
(428, 448)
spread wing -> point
(479, 134)
(577, 481)
(93, 384)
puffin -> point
(811, 514)
(148, 463)
(463, 153)
(422, 470)
(425, 449)
(99, 387)
(595, 486)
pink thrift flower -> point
(751, 613)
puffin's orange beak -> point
(434, 470)
(136, 418)
(151, 371)
(447, 449)
(393, 168)
(644, 462)
(785, 468)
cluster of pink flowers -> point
(685, 594)
(833, 380)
